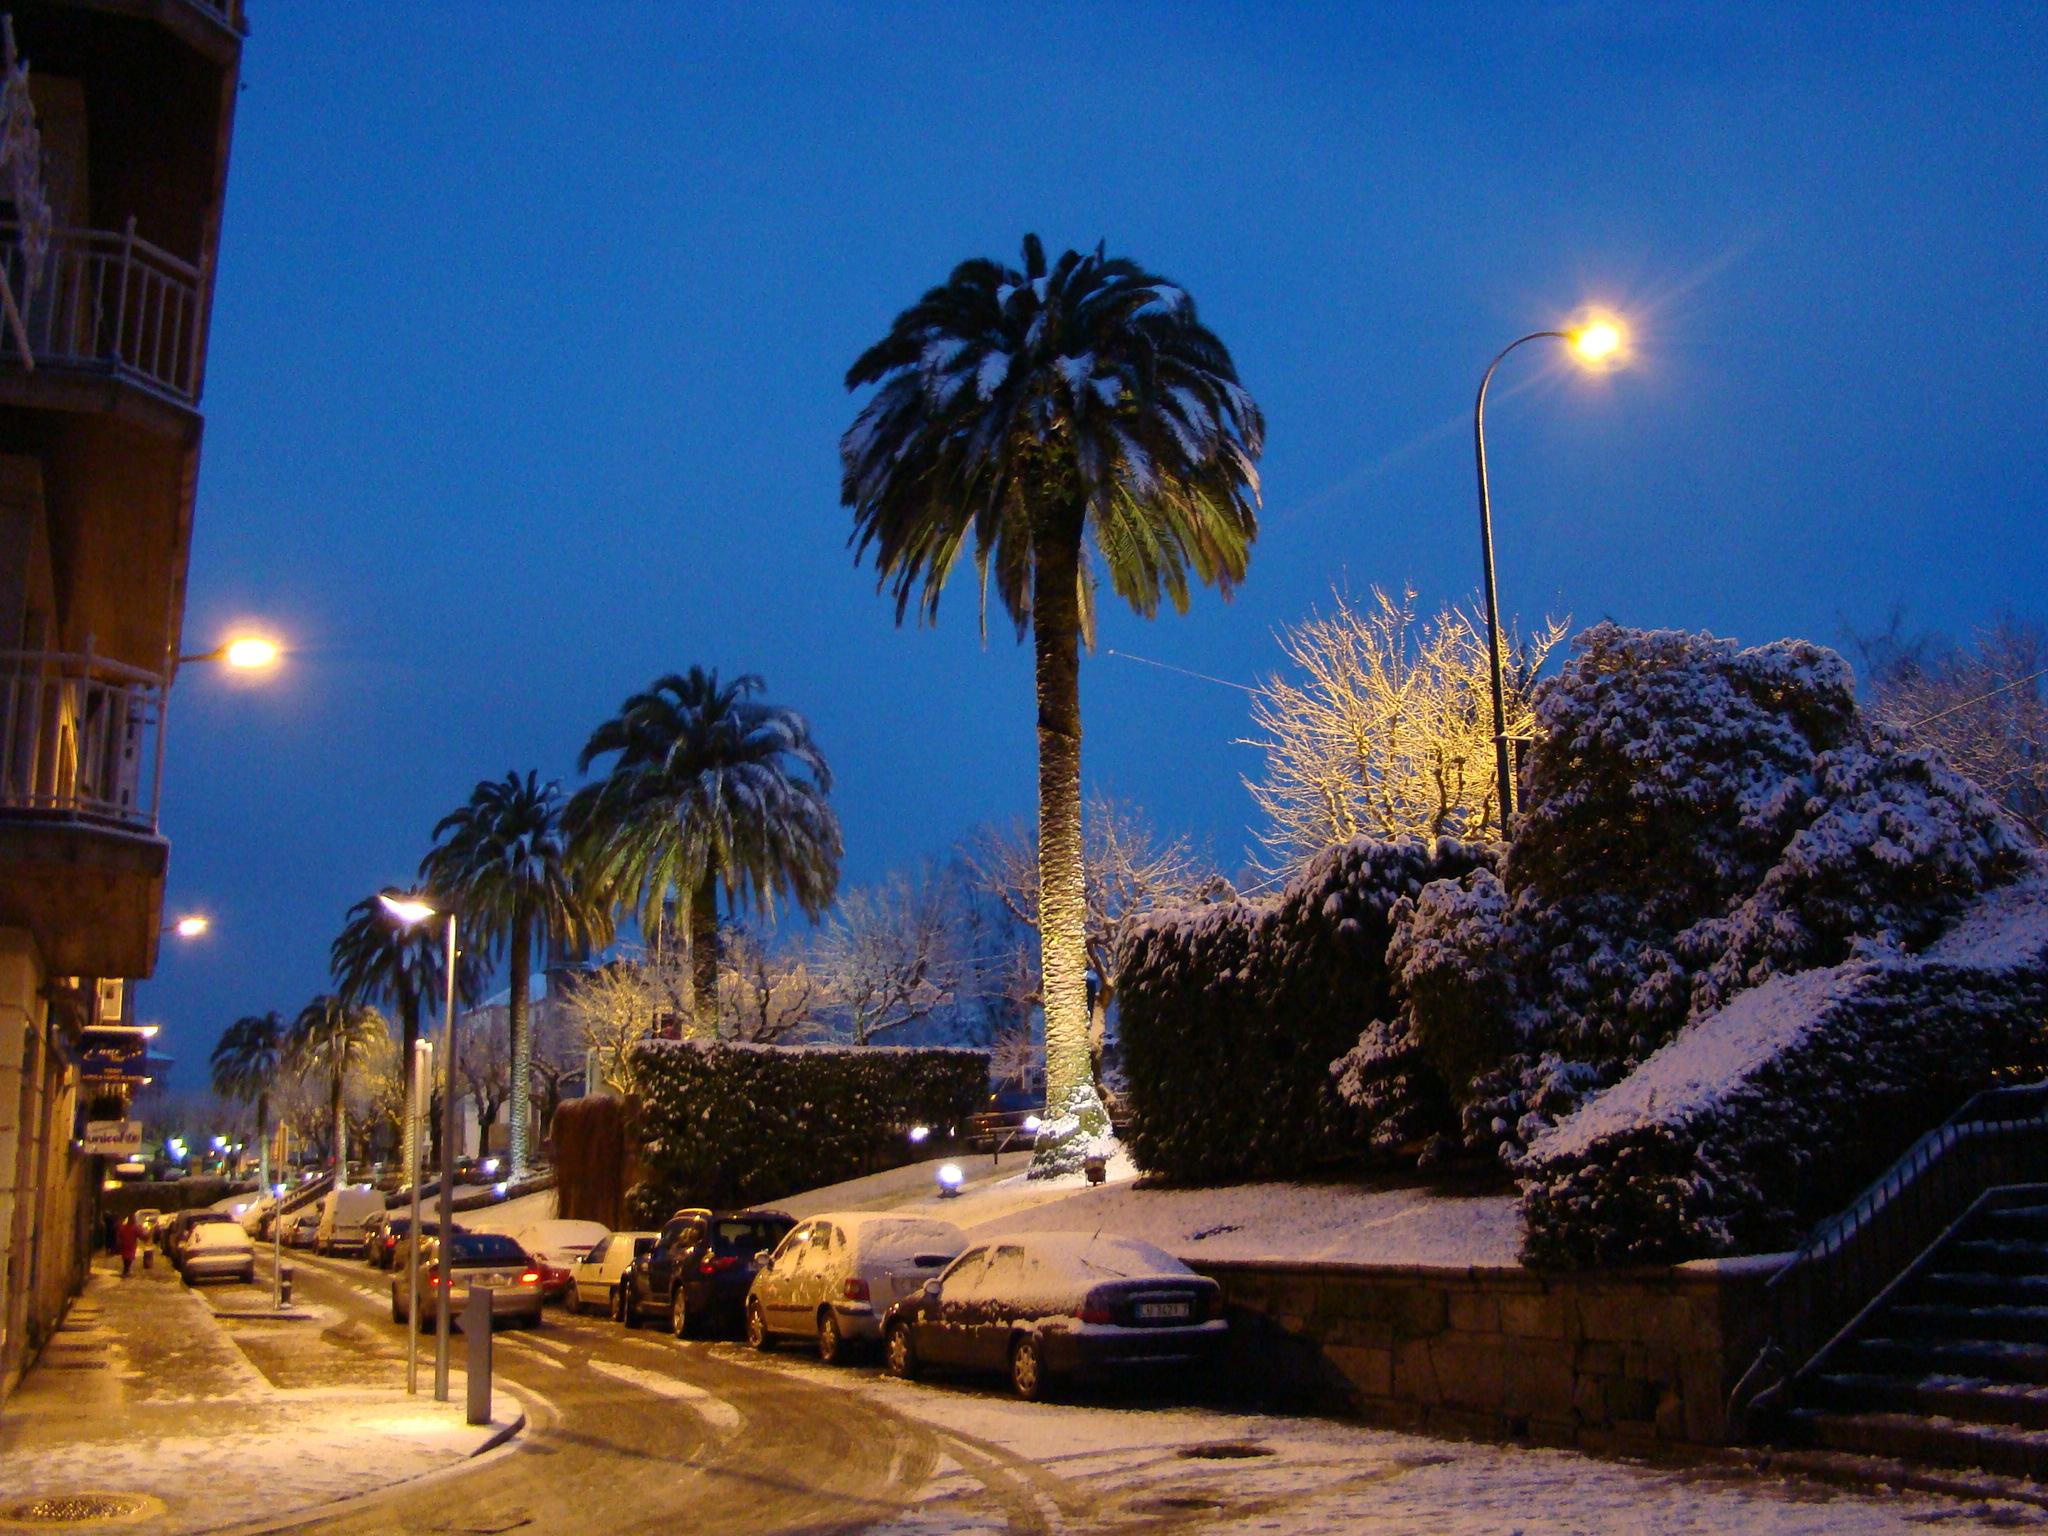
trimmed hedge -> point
(1762, 1119)
(725, 1125)
(1230, 1015)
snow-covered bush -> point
(1697, 818)
(1232, 1013)
(729, 1124)
(1775, 1110)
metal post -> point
(419, 1080)
(447, 1200)
(1503, 769)
(476, 1329)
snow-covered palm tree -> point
(1030, 416)
(710, 790)
(502, 862)
(329, 1039)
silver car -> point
(833, 1277)
(216, 1250)
(474, 1258)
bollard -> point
(149, 1258)
(476, 1328)
(284, 1285)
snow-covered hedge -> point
(724, 1125)
(1773, 1111)
(1230, 1014)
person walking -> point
(129, 1236)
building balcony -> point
(109, 305)
(81, 861)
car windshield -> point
(744, 1239)
(485, 1248)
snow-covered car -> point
(344, 1221)
(215, 1250)
(301, 1227)
(555, 1246)
(594, 1279)
(834, 1276)
(1047, 1307)
(148, 1219)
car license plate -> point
(496, 1280)
(1161, 1311)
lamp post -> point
(1597, 343)
(245, 653)
(411, 911)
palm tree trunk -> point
(704, 957)
(340, 1125)
(263, 1139)
(1062, 889)
(520, 963)
(409, 1030)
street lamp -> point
(192, 925)
(409, 911)
(1597, 342)
(245, 653)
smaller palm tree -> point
(331, 1039)
(246, 1063)
(501, 860)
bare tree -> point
(765, 996)
(634, 998)
(1017, 1058)
(486, 1070)
(1984, 707)
(889, 955)
(1386, 727)
(1128, 872)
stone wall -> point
(1626, 1360)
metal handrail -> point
(81, 737)
(1999, 1136)
(110, 300)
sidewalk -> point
(144, 1393)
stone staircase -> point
(1950, 1368)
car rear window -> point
(485, 1248)
(744, 1239)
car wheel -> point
(758, 1335)
(629, 1305)
(831, 1345)
(902, 1352)
(679, 1315)
(1027, 1370)
(619, 1304)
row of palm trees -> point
(330, 1039)
(710, 794)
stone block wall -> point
(1626, 1360)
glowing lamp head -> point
(1032, 1123)
(250, 653)
(1598, 342)
(918, 1133)
(193, 925)
(406, 909)
(950, 1179)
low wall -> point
(1627, 1360)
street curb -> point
(513, 1427)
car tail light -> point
(1094, 1315)
(716, 1262)
(855, 1289)
(531, 1277)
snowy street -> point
(630, 1428)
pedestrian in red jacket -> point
(129, 1236)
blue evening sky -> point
(525, 374)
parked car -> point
(1047, 1307)
(301, 1227)
(148, 1219)
(699, 1270)
(179, 1227)
(389, 1243)
(474, 1258)
(212, 1250)
(556, 1246)
(834, 1276)
(594, 1279)
(344, 1217)
(632, 1297)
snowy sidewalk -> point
(144, 1395)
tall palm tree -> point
(1023, 412)
(378, 959)
(501, 859)
(331, 1039)
(710, 790)
(246, 1062)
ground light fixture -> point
(1598, 341)
(950, 1179)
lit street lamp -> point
(1595, 344)
(409, 911)
(245, 653)
(192, 925)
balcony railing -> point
(81, 738)
(109, 300)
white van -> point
(344, 1215)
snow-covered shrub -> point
(1070, 1133)
(729, 1124)
(1697, 818)
(1775, 1110)
(1232, 1013)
